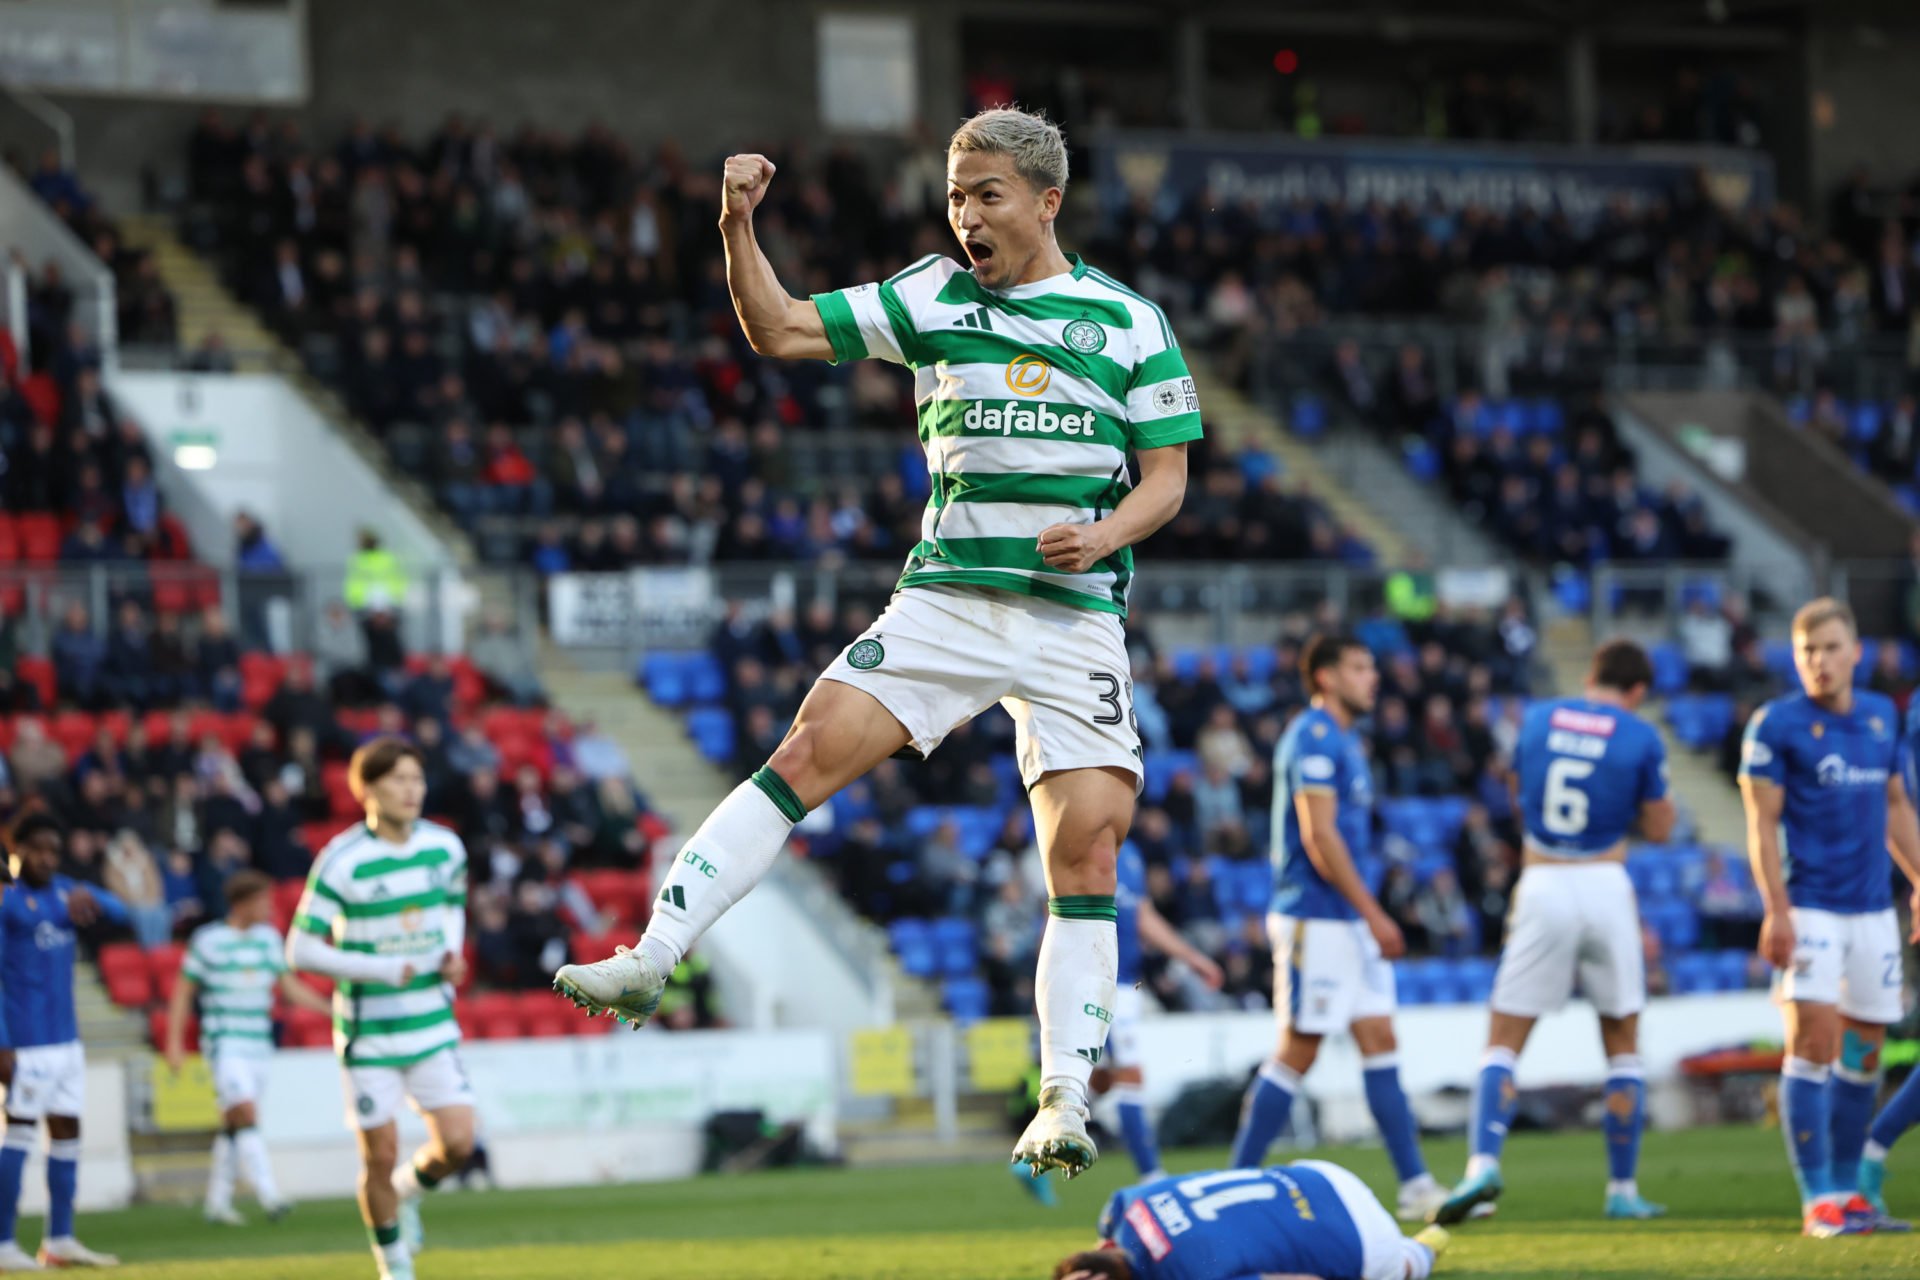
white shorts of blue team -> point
(1384, 1249)
(239, 1076)
(374, 1094)
(1572, 921)
(1848, 960)
(1123, 1039)
(1327, 974)
(939, 656)
(48, 1080)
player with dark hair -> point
(384, 916)
(1589, 771)
(1333, 943)
(1287, 1222)
(233, 968)
(1823, 768)
(41, 1062)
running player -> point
(1590, 769)
(1289, 1222)
(1332, 941)
(41, 1064)
(1140, 924)
(384, 916)
(233, 967)
(1824, 765)
(1036, 375)
(1902, 1111)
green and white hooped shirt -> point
(1029, 399)
(237, 971)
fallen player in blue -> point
(1307, 1219)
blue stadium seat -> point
(967, 999)
(1700, 720)
(1572, 590)
(1863, 424)
(664, 679)
(712, 731)
(1262, 661)
(1799, 411)
(1548, 417)
(1412, 986)
(1779, 656)
(1423, 461)
(1257, 466)
(915, 948)
(1669, 669)
(1309, 417)
(1477, 972)
(1690, 974)
(955, 943)
(1730, 969)
(706, 679)
(1186, 663)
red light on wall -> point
(1286, 62)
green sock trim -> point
(386, 1234)
(1083, 906)
(427, 1181)
(776, 789)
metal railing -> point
(1652, 598)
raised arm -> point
(776, 323)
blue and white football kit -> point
(1310, 1218)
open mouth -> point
(981, 254)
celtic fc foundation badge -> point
(866, 655)
(1084, 336)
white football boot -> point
(622, 986)
(68, 1252)
(1057, 1137)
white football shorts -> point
(939, 656)
(374, 1094)
(1384, 1250)
(1572, 920)
(48, 1080)
(238, 1077)
(1848, 960)
(1327, 974)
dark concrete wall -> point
(1864, 57)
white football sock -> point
(220, 1174)
(406, 1181)
(730, 853)
(251, 1149)
(1073, 989)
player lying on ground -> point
(1036, 376)
(1305, 1221)
(385, 916)
(1589, 770)
(41, 1064)
(1333, 943)
(1824, 764)
(233, 968)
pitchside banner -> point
(654, 608)
(1169, 168)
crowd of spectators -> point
(537, 325)
(145, 313)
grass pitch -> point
(1734, 1217)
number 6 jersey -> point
(1585, 768)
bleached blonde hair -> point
(1818, 613)
(1035, 143)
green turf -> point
(1733, 1203)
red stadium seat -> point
(73, 730)
(505, 1027)
(333, 777)
(166, 960)
(316, 834)
(585, 1026)
(129, 990)
(157, 1028)
(287, 892)
(39, 536)
(312, 1037)
(122, 957)
(118, 723)
(550, 1026)
(9, 539)
(39, 673)
(170, 595)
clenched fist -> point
(744, 185)
(1073, 548)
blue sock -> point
(1625, 1116)
(1388, 1102)
(1268, 1108)
(1138, 1131)
(1807, 1121)
(1900, 1114)
(1493, 1103)
(1851, 1095)
(63, 1178)
(21, 1139)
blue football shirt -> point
(1833, 769)
(1239, 1224)
(36, 961)
(1130, 887)
(1585, 769)
(1316, 754)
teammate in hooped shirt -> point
(1590, 770)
